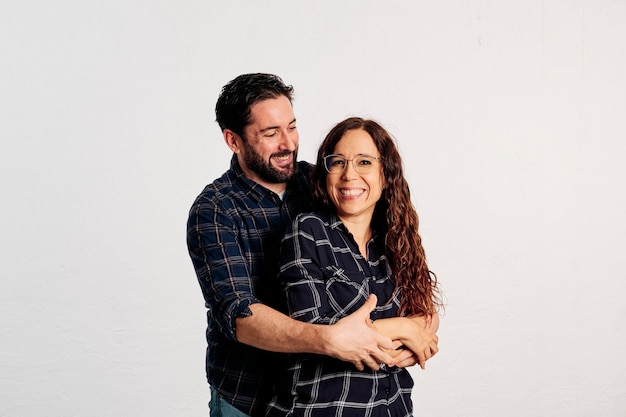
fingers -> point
(397, 344)
(434, 349)
(384, 342)
(370, 362)
(369, 305)
(359, 365)
(404, 359)
(427, 354)
(421, 359)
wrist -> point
(330, 340)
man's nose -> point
(289, 141)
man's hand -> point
(354, 339)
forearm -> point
(351, 339)
(401, 328)
(269, 329)
(393, 327)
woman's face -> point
(355, 194)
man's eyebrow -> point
(275, 127)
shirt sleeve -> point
(301, 273)
(220, 265)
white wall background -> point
(510, 116)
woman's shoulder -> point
(311, 222)
(311, 216)
(311, 219)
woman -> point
(361, 240)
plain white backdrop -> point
(510, 117)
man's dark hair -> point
(235, 102)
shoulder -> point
(223, 194)
(305, 167)
(311, 224)
(223, 184)
(302, 180)
(312, 219)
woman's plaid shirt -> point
(326, 279)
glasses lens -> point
(335, 163)
(363, 164)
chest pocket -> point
(346, 292)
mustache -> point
(283, 153)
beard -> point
(265, 170)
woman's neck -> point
(361, 231)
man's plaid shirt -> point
(233, 235)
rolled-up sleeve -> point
(213, 240)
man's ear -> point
(230, 138)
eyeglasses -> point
(363, 164)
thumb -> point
(369, 305)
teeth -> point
(351, 192)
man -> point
(233, 235)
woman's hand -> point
(416, 334)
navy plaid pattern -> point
(233, 235)
(326, 279)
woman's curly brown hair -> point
(394, 217)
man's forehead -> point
(272, 112)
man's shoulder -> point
(301, 182)
(305, 167)
(221, 189)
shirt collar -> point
(253, 188)
(335, 223)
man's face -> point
(268, 151)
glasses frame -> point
(354, 165)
